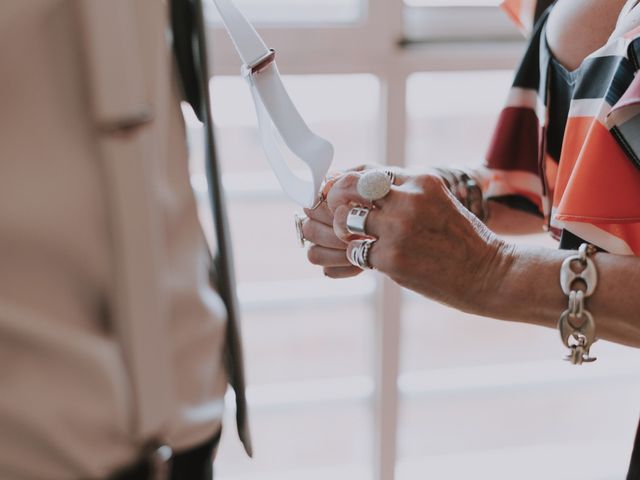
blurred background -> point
(358, 379)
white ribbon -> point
(277, 115)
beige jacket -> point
(70, 406)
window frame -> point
(378, 44)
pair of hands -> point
(427, 241)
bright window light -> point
(452, 3)
(295, 11)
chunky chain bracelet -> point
(576, 324)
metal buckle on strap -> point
(260, 64)
(159, 460)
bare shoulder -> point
(577, 28)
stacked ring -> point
(359, 256)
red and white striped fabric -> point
(522, 12)
(593, 189)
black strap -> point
(183, 28)
(191, 55)
(634, 467)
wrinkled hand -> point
(327, 250)
(427, 241)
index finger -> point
(345, 192)
(320, 214)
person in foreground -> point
(565, 156)
(118, 333)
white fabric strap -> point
(277, 115)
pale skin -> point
(428, 242)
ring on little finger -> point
(359, 256)
(357, 220)
(299, 220)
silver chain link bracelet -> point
(576, 324)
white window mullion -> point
(373, 45)
(389, 294)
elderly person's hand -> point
(426, 239)
(327, 250)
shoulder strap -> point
(278, 117)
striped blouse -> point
(575, 160)
(592, 191)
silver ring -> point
(299, 219)
(360, 255)
(391, 175)
(356, 220)
(374, 185)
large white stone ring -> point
(357, 220)
(299, 219)
(374, 185)
(359, 256)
